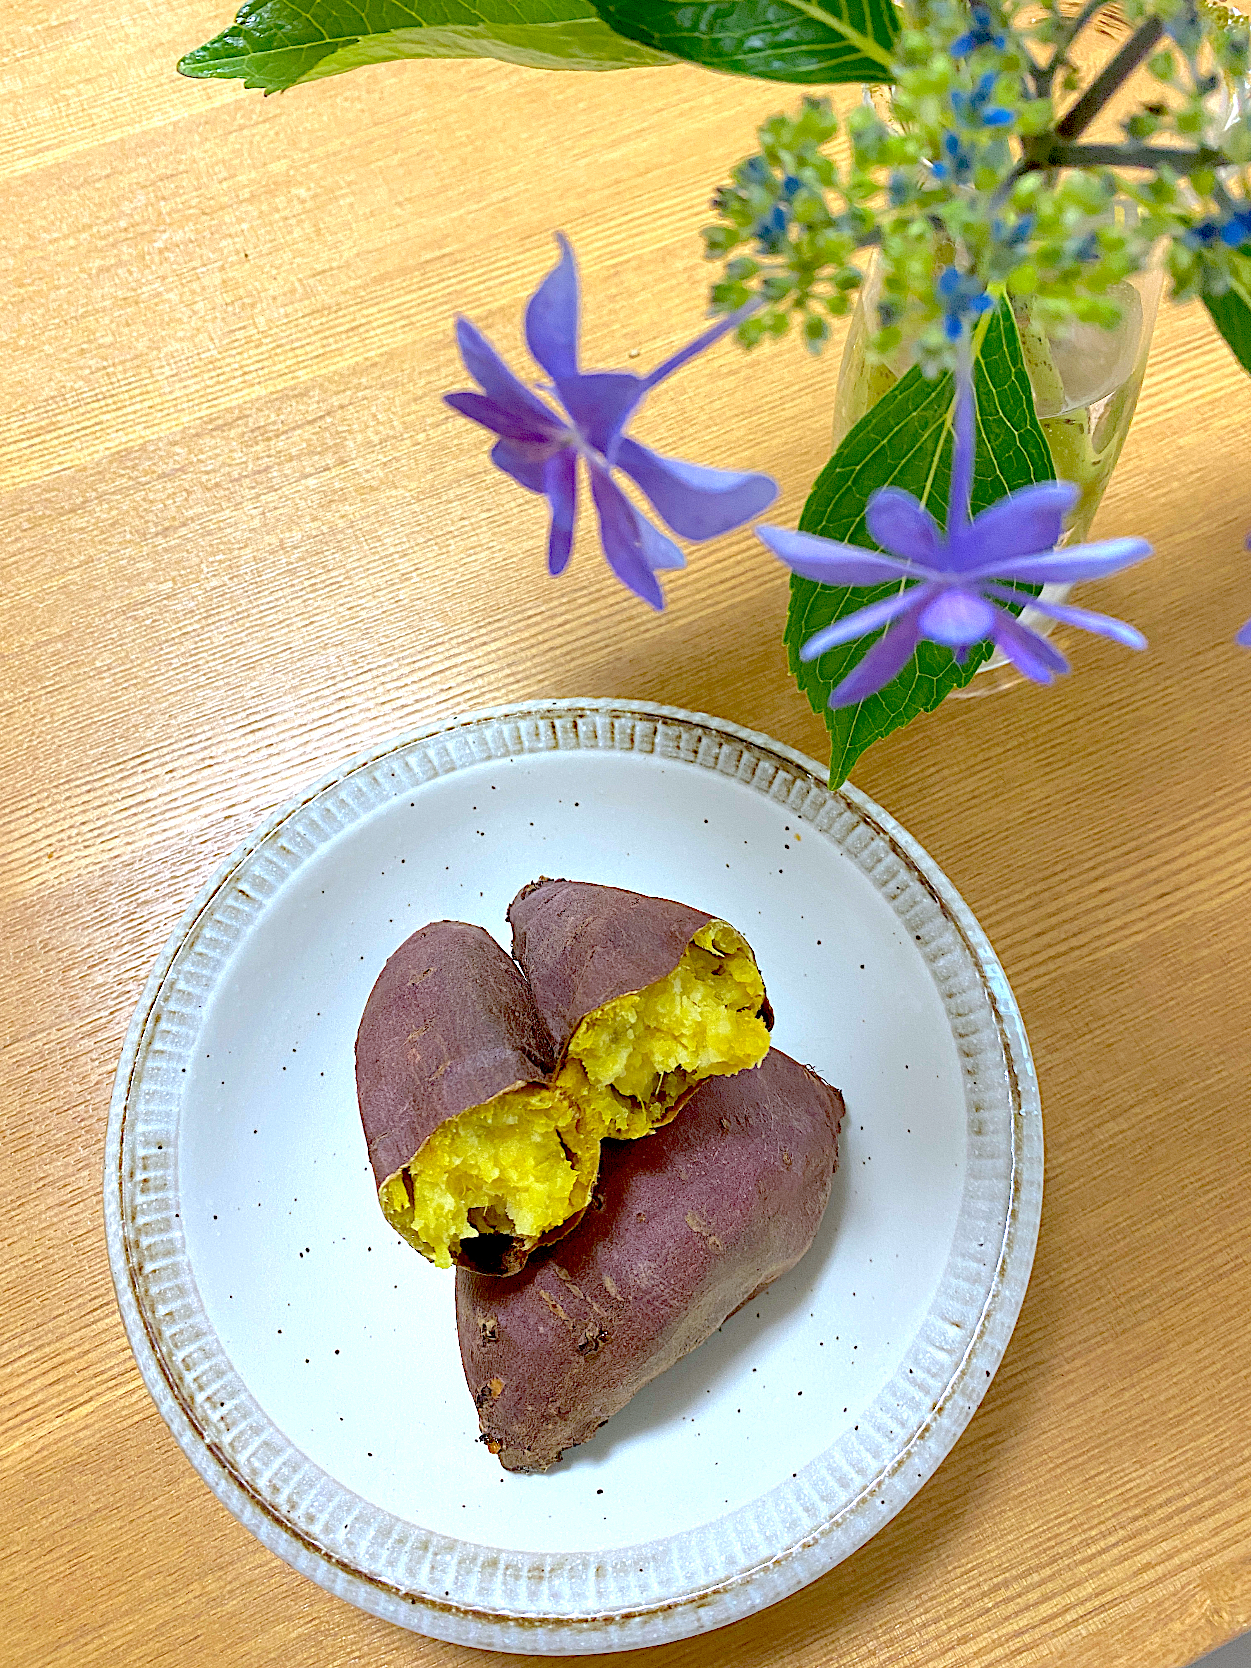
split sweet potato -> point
(644, 998)
(477, 1156)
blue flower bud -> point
(770, 232)
(1014, 237)
(981, 34)
(963, 297)
(974, 110)
(960, 162)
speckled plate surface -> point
(306, 1359)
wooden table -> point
(242, 539)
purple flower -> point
(1244, 636)
(541, 447)
(953, 589)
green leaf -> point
(809, 41)
(905, 440)
(1231, 314)
(277, 44)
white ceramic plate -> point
(306, 1359)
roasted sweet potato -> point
(644, 997)
(477, 1156)
(684, 1228)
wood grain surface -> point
(242, 539)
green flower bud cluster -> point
(971, 177)
(790, 223)
(1203, 211)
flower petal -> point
(601, 403)
(697, 502)
(900, 523)
(1103, 625)
(956, 617)
(552, 317)
(1025, 523)
(1027, 651)
(492, 375)
(1244, 636)
(659, 550)
(830, 562)
(621, 539)
(499, 419)
(524, 462)
(1062, 567)
(884, 661)
(861, 623)
(560, 483)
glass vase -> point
(1085, 381)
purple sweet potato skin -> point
(582, 945)
(449, 1024)
(686, 1226)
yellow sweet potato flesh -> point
(628, 1062)
(526, 1161)
(518, 1165)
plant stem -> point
(1111, 77)
(964, 438)
(1055, 150)
(1046, 152)
(713, 334)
